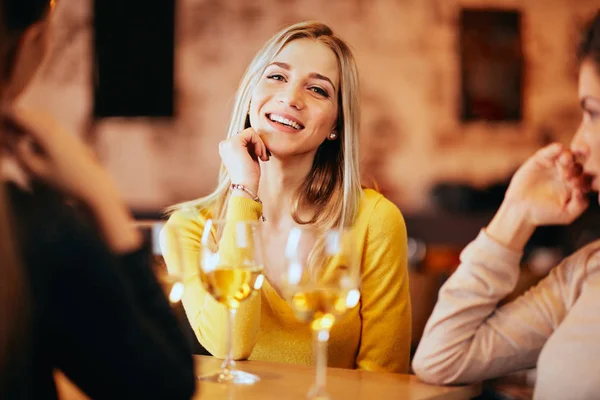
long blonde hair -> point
(333, 184)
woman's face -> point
(586, 142)
(294, 105)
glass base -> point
(317, 393)
(228, 376)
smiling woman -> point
(293, 106)
(296, 161)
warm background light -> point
(409, 63)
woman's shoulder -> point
(585, 261)
(378, 205)
(576, 269)
(190, 218)
(376, 210)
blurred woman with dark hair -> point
(71, 299)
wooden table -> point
(286, 381)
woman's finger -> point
(576, 205)
(265, 152)
(37, 124)
(253, 143)
(566, 158)
(30, 158)
(263, 148)
(581, 183)
(549, 154)
(253, 140)
(259, 146)
(570, 171)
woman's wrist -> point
(236, 190)
(241, 190)
(246, 191)
(510, 226)
(247, 188)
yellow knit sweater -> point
(373, 336)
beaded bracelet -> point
(237, 186)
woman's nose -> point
(579, 146)
(291, 97)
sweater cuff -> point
(243, 209)
(496, 249)
(485, 251)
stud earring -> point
(332, 136)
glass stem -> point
(228, 364)
(321, 337)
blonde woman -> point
(292, 143)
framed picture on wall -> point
(491, 67)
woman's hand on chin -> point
(240, 155)
(550, 187)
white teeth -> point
(282, 120)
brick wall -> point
(409, 67)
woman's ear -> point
(335, 131)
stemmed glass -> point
(162, 236)
(321, 282)
(231, 270)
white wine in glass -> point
(231, 270)
(321, 282)
(230, 285)
(311, 302)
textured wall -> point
(409, 67)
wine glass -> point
(231, 270)
(165, 243)
(321, 282)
